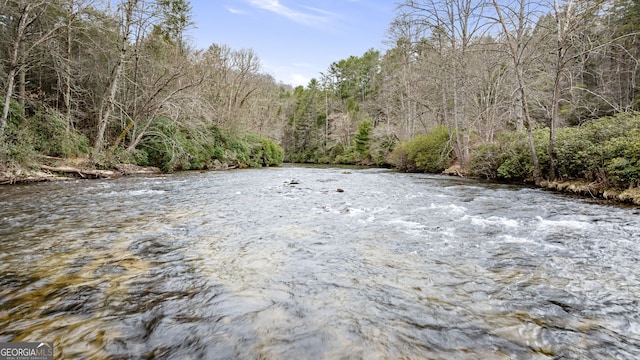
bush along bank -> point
(600, 158)
(172, 147)
(430, 152)
(43, 146)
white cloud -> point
(236, 11)
(312, 16)
(293, 74)
(320, 11)
(299, 79)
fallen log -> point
(84, 173)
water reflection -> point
(245, 264)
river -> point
(317, 263)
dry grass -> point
(595, 190)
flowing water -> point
(249, 264)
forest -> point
(528, 91)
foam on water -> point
(452, 209)
(515, 239)
(493, 221)
(567, 224)
(237, 265)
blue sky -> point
(294, 39)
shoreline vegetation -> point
(104, 89)
(75, 171)
(598, 160)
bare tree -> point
(127, 8)
(72, 17)
(22, 16)
(514, 30)
(405, 67)
(571, 18)
(457, 22)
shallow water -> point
(244, 264)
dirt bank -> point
(584, 188)
(58, 169)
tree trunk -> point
(108, 103)
(7, 101)
(22, 86)
(555, 111)
(67, 70)
(537, 174)
(459, 147)
(13, 66)
(516, 47)
(557, 74)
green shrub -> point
(484, 160)
(52, 136)
(17, 145)
(621, 159)
(606, 150)
(158, 144)
(577, 155)
(430, 152)
(514, 161)
(257, 151)
(509, 158)
(16, 112)
(41, 134)
(335, 152)
(273, 153)
(170, 146)
(135, 156)
(611, 127)
(360, 150)
(623, 172)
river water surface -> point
(246, 264)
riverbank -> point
(59, 169)
(586, 189)
(579, 187)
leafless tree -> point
(21, 17)
(515, 21)
(454, 23)
(126, 8)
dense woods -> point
(515, 90)
(116, 82)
